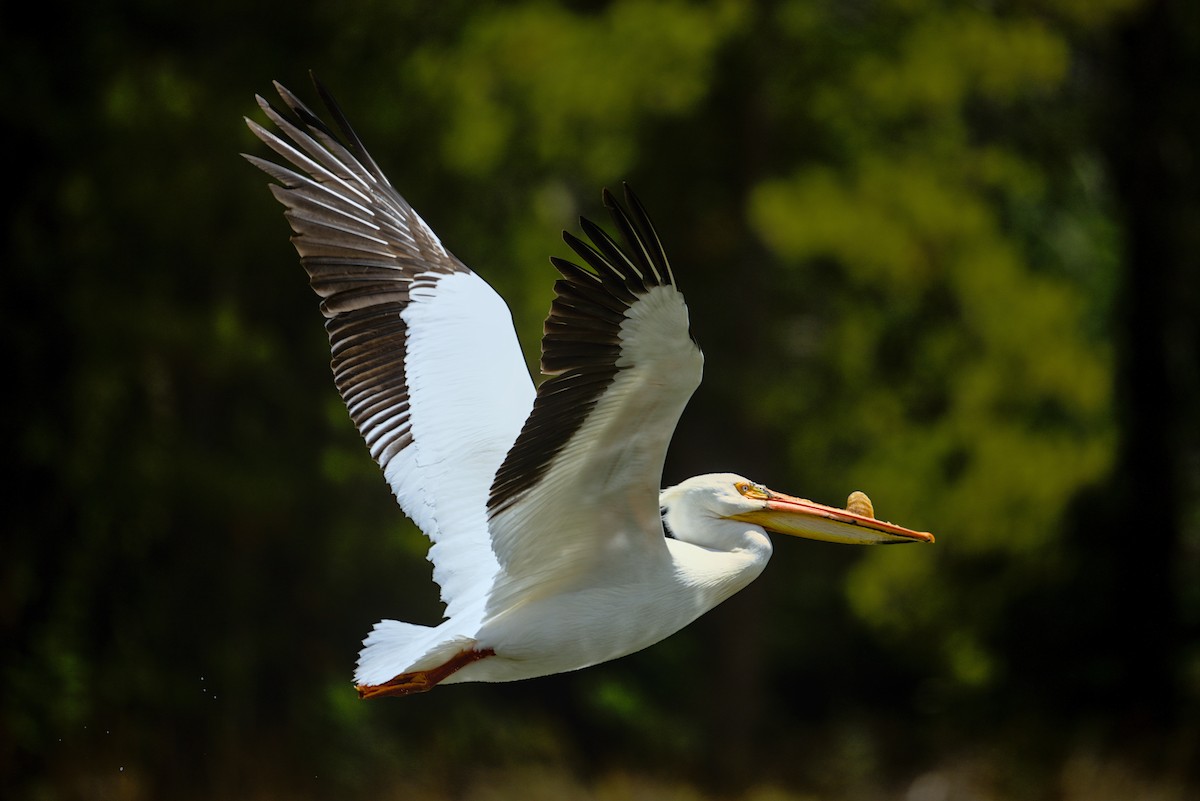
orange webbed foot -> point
(420, 681)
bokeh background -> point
(943, 252)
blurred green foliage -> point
(932, 303)
(909, 234)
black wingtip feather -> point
(363, 248)
(349, 134)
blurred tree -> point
(958, 378)
(903, 228)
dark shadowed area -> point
(948, 254)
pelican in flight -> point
(552, 544)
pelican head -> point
(727, 496)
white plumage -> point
(551, 542)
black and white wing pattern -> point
(424, 351)
(622, 364)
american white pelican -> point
(552, 544)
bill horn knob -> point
(860, 504)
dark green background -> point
(945, 253)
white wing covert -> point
(423, 350)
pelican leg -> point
(420, 681)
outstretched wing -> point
(580, 485)
(424, 351)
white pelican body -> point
(551, 542)
(618, 608)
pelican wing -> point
(580, 485)
(424, 351)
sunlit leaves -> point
(962, 385)
(536, 81)
(945, 59)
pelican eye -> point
(749, 489)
